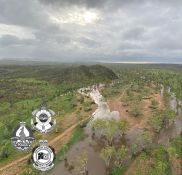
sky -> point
(91, 30)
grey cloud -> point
(134, 33)
(90, 42)
(127, 30)
(87, 3)
(9, 40)
(108, 4)
(127, 45)
(23, 13)
(168, 44)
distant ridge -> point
(138, 62)
(61, 73)
(25, 62)
(8, 61)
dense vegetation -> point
(64, 74)
(136, 87)
(166, 75)
(24, 88)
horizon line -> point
(138, 62)
(96, 61)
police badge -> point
(42, 121)
(22, 137)
(43, 156)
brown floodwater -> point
(175, 129)
(95, 165)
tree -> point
(81, 164)
(64, 150)
(168, 116)
(134, 149)
(161, 168)
(156, 122)
(4, 152)
(110, 131)
(147, 139)
(108, 128)
(123, 126)
(172, 153)
(135, 111)
(6, 133)
(120, 154)
(162, 119)
(154, 103)
(107, 154)
(99, 125)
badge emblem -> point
(42, 120)
(22, 137)
(43, 156)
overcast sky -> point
(91, 30)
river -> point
(175, 129)
(95, 164)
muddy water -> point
(174, 129)
(134, 135)
(95, 164)
(170, 132)
(180, 108)
(173, 102)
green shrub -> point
(135, 111)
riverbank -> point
(95, 164)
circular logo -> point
(22, 137)
(42, 120)
(43, 117)
(43, 157)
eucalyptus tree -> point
(99, 126)
(120, 155)
(107, 154)
(135, 110)
(168, 117)
(107, 128)
(123, 126)
(81, 164)
(134, 149)
(110, 129)
(156, 122)
(147, 139)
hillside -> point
(95, 73)
(60, 73)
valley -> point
(124, 118)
